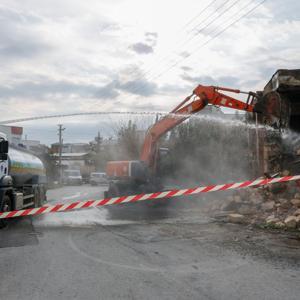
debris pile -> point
(274, 206)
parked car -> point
(72, 177)
(98, 178)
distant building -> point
(76, 161)
(71, 148)
(30, 144)
(13, 134)
(74, 156)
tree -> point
(128, 141)
(208, 151)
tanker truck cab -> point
(23, 181)
(3, 157)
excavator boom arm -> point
(202, 95)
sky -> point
(130, 55)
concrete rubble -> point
(291, 222)
(276, 206)
(236, 218)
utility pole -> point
(60, 130)
(98, 139)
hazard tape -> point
(141, 197)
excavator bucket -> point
(273, 110)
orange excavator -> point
(140, 176)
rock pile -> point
(276, 206)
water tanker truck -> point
(22, 178)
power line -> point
(208, 41)
(184, 42)
(216, 10)
(143, 75)
(212, 21)
(201, 46)
(199, 14)
(212, 38)
(245, 6)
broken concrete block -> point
(296, 202)
(284, 203)
(297, 212)
(272, 220)
(291, 222)
(245, 209)
(236, 218)
(279, 224)
(237, 199)
(256, 199)
(267, 206)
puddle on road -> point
(83, 218)
(131, 213)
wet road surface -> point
(157, 251)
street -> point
(158, 251)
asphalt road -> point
(169, 251)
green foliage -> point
(127, 146)
(128, 142)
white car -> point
(98, 178)
(72, 177)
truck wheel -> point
(113, 191)
(6, 207)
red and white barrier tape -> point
(141, 197)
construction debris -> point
(261, 206)
(297, 212)
(291, 222)
(236, 218)
(296, 202)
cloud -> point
(18, 37)
(184, 54)
(151, 38)
(153, 35)
(146, 47)
(175, 89)
(140, 87)
(205, 80)
(142, 48)
(47, 88)
(283, 10)
(226, 81)
(186, 68)
(11, 49)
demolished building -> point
(277, 147)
